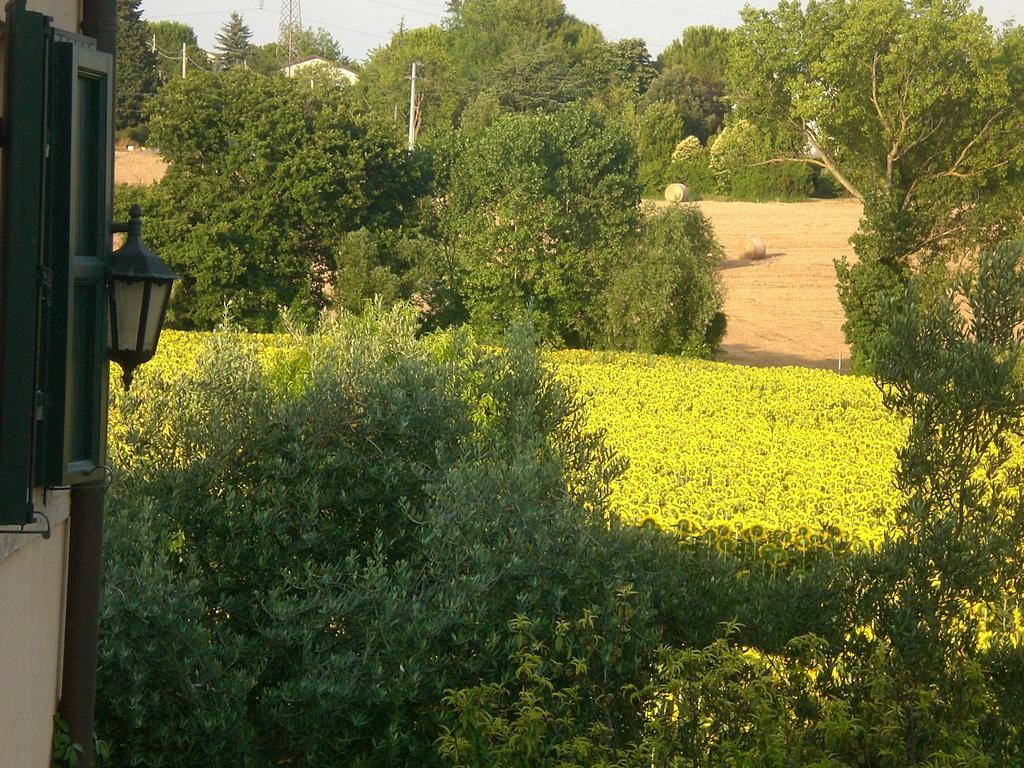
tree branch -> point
(828, 163)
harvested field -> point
(783, 309)
(138, 167)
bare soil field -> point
(143, 166)
(784, 310)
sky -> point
(362, 25)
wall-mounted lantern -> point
(139, 289)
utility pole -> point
(184, 61)
(412, 109)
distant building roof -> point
(319, 62)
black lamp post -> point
(139, 288)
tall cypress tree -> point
(136, 64)
(233, 42)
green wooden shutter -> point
(24, 151)
(71, 437)
(54, 260)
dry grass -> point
(138, 167)
(784, 309)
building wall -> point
(300, 68)
(32, 580)
(33, 573)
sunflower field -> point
(710, 446)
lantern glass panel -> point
(159, 294)
(126, 310)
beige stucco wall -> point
(66, 13)
(32, 580)
(33, 574)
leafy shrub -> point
(865, 288)
(720, 705)
(137, 135)
(312, 539)
(739, 158)
(691, 165)
(664, 297)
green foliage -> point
(233, 42)
(537, 209)
(554, 711)
(691, 165)
(665, 296)
(718, 705)
(479, 113)
(264, 179)
(659, 131)
(65, 753)
(865, 289)
(627, 65)
(699, 104)
(294, 577)
(740, 158)
(137, 135)
(484, 33)
(136, 65)
(949, 365)
(702, 51)
(390, 267)
(541, 78)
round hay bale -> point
(677, 193)
(753, 248)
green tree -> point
(703, 51)
(264, 180)
(136, 64)
(233, 42)
(664, 299)
(629, 66)
(485, 32)
(540, 78)
(912, 105)
(700, 104)
(537, 211)
(659, 130)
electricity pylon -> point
(291, 28)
